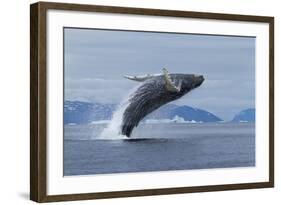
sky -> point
(96, 60)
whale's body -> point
(155, 91)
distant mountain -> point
(163, 112)
(247, 115)
(83, 112)
(171, 111)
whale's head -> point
(185, 82)
(181, 83)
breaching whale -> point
(156, 90)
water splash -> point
(113, 129)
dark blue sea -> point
(159, 147)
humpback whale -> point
(155, 90)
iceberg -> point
(176, 119)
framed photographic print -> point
(134, 102)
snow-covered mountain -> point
(83, 112)
(187, 113)
(247, 115)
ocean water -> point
(158, 147)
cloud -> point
(97, 89)
(96, 60)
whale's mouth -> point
(199, 79)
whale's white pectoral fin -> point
(140, 78)
(135, 78)
(170, 85)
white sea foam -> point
(113, 129)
